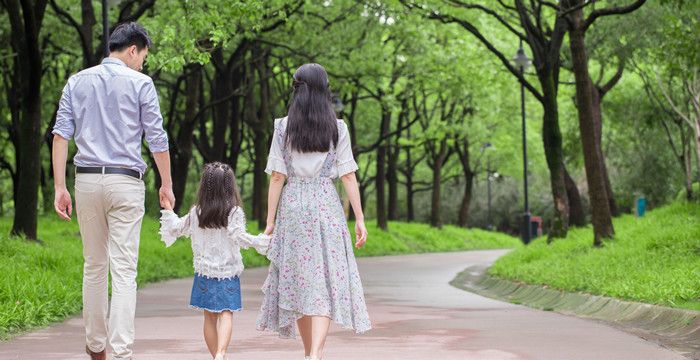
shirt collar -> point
(112, 60)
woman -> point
(313, 277)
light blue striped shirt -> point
(107, 109)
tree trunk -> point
(598, 123)
(464, 158)
(392, 175)
(221, 88)
(410, 212)
(697, 140)
(260, 140)
(688, 173)
(47, 196)
(435, 211)
(183, 141)
(551, 135)
(25, 29)
(466, 200)
(600, 208)
(577, 217)
(380, 177)
(236, 122)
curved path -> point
(415, 312)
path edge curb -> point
(676, 329)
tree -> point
(586, 97)
(26, 20)
(545, 41)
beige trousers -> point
(110, 209)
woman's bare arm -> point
(273, 197)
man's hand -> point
(168, 205)
(167, 198)
(62, 203)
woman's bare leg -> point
(210, 333)
(319, 331)
(304, 326)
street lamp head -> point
(485, 146)
(521, 60)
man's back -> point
(107, 108)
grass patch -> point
(654, 259)
(42, 284)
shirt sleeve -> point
(238, 234)
(275, 160)
(65, 122)
(173, 227)
(345, 162)
(152, 120)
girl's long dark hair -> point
(218, 194)
(311, 121)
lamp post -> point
(522, 62)
(493, 176)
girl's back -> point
(216, 251)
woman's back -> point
(309, 165)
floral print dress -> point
(313, 269)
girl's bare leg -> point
(224, 332)
(210, 333)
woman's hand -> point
(360, 233)
(269, 228)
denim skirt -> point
(216, 295)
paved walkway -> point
(415, 312)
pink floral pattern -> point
(313, 269)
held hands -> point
(166, 204)
(167, 198)
(360, 233)
(62, 204)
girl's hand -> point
(360, 233)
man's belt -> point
(108, 170)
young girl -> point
(216, 224)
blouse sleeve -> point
(345, 162)
(173, 227)
(275, 161)
(237, 233)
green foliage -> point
(654, 259)
(682, 196)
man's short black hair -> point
(127, 34)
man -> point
(107, 109)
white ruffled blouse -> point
(216, 252)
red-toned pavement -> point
(415, 312)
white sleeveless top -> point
(309, 164)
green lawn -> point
(654, 259)
(42, 283)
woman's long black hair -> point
(218, 194)
(311, 121)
